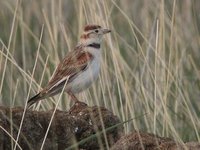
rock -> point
(81, 124)
(79, 128)
(145, 141)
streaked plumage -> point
(79, 68)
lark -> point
(80, 67)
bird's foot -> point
(77, 107)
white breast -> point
(87, 77)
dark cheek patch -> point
(85, 36)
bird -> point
(79, 68)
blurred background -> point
(150, 67)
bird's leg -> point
(78, 106)
(74, 98)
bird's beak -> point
(106, 31)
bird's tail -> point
(34, 99)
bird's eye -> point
(96, 31)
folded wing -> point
(75, 62)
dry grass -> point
(150, 61)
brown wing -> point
(75, 62)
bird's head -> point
(93, 34)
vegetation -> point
(150, 65)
